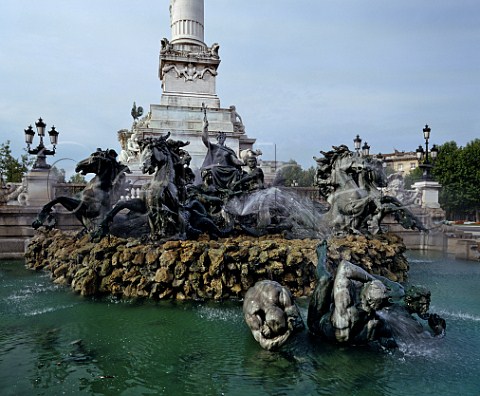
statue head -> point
(374, 296)
(417, 300)
(251, 162)
(341, 149)
(112, 154)
(221, 137)
(246, 154)
(207, 177)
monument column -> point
(188, 72)
(188, 67)
(186, 21)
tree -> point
(292, 174)
(413, 177)
(446, 173)
(78, 178)
(457, 169)
(469, 178)
(12, 168)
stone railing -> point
(68, 189)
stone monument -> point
(188, 70)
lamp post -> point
(41, 151)
(422, 154)
(365, 150)
(357, 142)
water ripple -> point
(42, 311)
(220, 314)
(459, 315)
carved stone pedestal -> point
(40, 184)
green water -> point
(173, 348)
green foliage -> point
(78, 178)
(413, 177)
(57, 174)
(457, 169)
(12, 168)
(292, 174)
(446, 164)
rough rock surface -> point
(201, 269)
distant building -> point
(398, 161)
(401, 161)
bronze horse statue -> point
(160, 203)
(169, 215)
(99, 195)
(351, 185)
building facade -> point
(401, 161)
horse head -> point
(155, 155)
(147, 160)
(100, 162)
(97, 163)
(103, 163)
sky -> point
(304, 75)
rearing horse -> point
(161, 202)
(162, 196)
(350, 183)
(350, 202)
(99, 195)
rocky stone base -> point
(202, 269)
(378, 255)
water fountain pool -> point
(130, 347)
(119, 345)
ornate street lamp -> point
(420, 151)
(365, 150)
(358, 142)
(41, 151)
(426, 135)
(426, 166)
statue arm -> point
(260, 176)
(239, 118)
(352, 272)
(286, 302)
(320, 303)
(236, 161)
(205, 139)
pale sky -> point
(304, 75)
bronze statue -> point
(253, 179)
(161, 203)
(351, 184)
(171, 213)
(99, 195)
(271, 314)
(221, 163)
(354, 307)
(136, 112)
